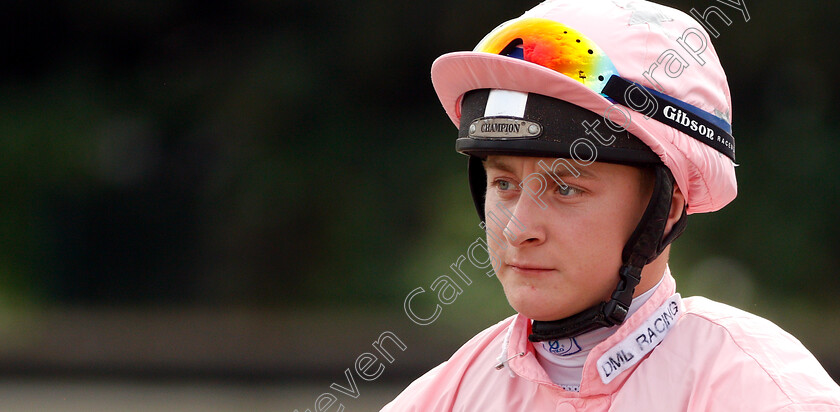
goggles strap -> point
(675, 113)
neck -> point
(653, 272)
(563, 359)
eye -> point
(569, 191)
(503, 185)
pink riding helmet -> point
(654, 46)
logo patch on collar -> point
(641, 341)
(562, 347)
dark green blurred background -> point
(289, 161)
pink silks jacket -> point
(673, 354)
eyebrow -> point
(495, 163)
(561, 171)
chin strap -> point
(645, 244)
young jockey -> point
(593, 128)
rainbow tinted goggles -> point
(567, 51)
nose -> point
(522, 226)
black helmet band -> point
(544, 127)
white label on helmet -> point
(506, 103)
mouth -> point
(528, 268)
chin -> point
(545, 305)
(537, 309)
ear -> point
(677, 209)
